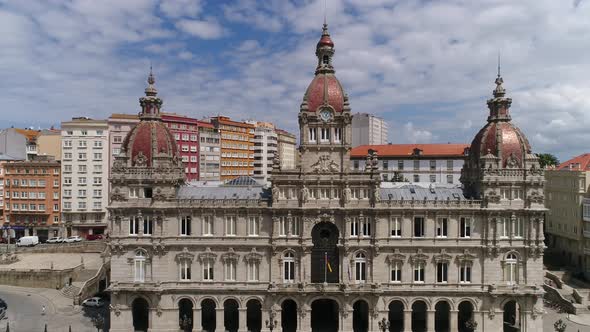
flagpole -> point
(325, 267)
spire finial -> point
(151, 78)
(325, 13)
(151, 89)
(498, 63)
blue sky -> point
(427, 67)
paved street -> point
(25, 306)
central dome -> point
(147, 140)
(325, 89)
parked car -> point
(55, 240)
(92, 237)
(93, 302)
(27, 241)
(73, 239)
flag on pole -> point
(327, 262)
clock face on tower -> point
(325, 115)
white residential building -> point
(368, 129)
(265, 147)
(85, 171)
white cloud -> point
(179, 8)
(205, 29)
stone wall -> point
(39, 278)
(68, 248)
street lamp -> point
(272, 323)
(383, 324)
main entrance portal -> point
(325, 261)
(324, 316)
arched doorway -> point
(511, 316)
(185, 315)
(396, 316)
(289, 316)
(254, 316)
(231, 315)
(419, 316)
(360, 316)
(324, 256)
(466, 317)
(324, 316)
(208, 315)
(140, 310)
(442, 311)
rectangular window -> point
(253, 274)
(208, 225)
(139, 265)
(449, 165)
(433, 165)
(396, 227)
(230, 226)
(295, 226)
(365, 223)
(185, 270)
(133, 225)
(208, 270)
(416, 165)
(442, 270)
(289, 270)
(465, 227)
(312, 135)
(504, 227)
(432, 178)
(230, 270)
(396, 272)
(185, 225)
(441, 227)
(360, 267)
(324, 135)
(449, 179)
(147, 225)
(419, 272)
(517, 227)
(354, 227)
(385, 165)
(356, 164)
(418, 226)
(416, 178)
(400, 165)
(253, 225)
(465, 273)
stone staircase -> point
(70, 291)
(85, 275)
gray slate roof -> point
(409, 191)
(242, 181)
(222, 192)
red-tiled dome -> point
(149, 139)
(325, 87)
(325, 41)
(503, 140)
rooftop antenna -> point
(325, 12)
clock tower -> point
(325, 117)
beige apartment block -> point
(49, 143)
(85, 171)
(568, 234)
(326, 247)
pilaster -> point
(219, 319)
(430, 320)
(408, 320)
(242, 327)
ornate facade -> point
(327, 247)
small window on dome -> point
(326, 59)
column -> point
(219, 321)
(304, 319)
(454, 320)
(430, 320)
(243, 327)
(408, 320)
(197, 323)
(346, 319)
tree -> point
(547, 159)
(398, 177)
(559, 326)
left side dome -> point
(150, 142)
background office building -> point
(85, 168)
(237, 147)
(368, 129)
(265, 148)
(287, 149)
(431, 163)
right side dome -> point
(500, 137)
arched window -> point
(511, 268)
(289, 267)
(360, 267)
(139, 266)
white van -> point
(27, 241)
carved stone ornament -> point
(253, 256)
(418, 257)
(116, 195)
(492, 197)
(159, 310)
(346, 195)
(116, 309)
(117, 248)
(397, 256)
(534, 170)
(536, 197)
(230, 255)
(275, 194)
(466, 256)
(325, 165)
(537, 312)
(140, 160)
(492, 313)
(442, 256)
(207, 255)
(376, 193)
(118, 165)
(158, 195)
(159, 249)
(184, 255)
(512, 161)
(304, 196)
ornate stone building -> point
(326, 247)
